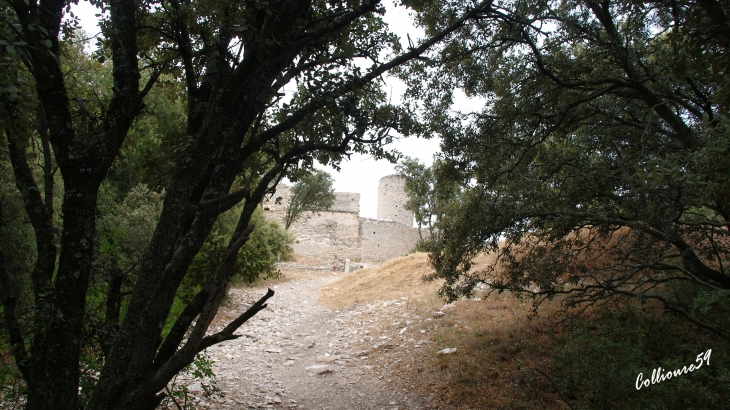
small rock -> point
(327, 359)
(402, 330)
(273, 350)
(448, 350)
(325, 371)
(438, 314)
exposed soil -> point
(299, 353)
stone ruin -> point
(341, 233)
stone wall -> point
(392, 199)
(344, 201)
(332, 234)
(329, 235)
(340, 234)
(384, 240)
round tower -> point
(392, 200)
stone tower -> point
(392, 200)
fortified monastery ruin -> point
(341, 233)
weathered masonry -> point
(341, 233)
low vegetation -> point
(509, 358)
(388, 281)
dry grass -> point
(498, 343)
(498, 347)
(402, 277)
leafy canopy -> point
(312, 192)
(595, 159)
(213, 102)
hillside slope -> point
(397, 278)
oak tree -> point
(237, 60)
(594, 159)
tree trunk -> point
(55, 356)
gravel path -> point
(300, 354)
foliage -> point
(16, 237)
(429, 198)
(419, 183)
(597, 163)
(180, 395)
(126, 227)
(102, 288)
(312, 192)
(268, 243)
(155, 139)
(597, 361)
(17, 252)
(17, 101)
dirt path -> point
(300, 354)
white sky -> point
(362, 173)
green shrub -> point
(267, 244)
(598, 358)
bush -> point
(257, 258)
(598, 358)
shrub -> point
(598, 358)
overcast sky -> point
(362, 173)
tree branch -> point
(294, 118)
(7, 299)
(37, 211)
(227, 332)
(720, 331)
(227, 201)
(555, 386)
(177, 333)
(153, 79)
(215, 290)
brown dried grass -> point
(498, 347)
(498, 343)
(397, 278)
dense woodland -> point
(594, 161)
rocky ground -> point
(300, 354)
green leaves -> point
(312, 192)
(419, 185)
(17, 99)
(593, 137)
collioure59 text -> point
(657, 374)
